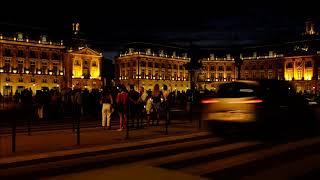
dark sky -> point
(110, 24)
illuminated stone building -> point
(82, 64)
(83, 68)
(293, 64)
(295, 61)
(26, 63)
(215, 70)
(44, 64)
(147, 64)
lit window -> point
(32, 66)
(7, 65)
(20, 66)
(44, 68)
(77, 63)
(270, 75)
(20, 79)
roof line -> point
(169, 46)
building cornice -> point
(34, 44)
(129, 56)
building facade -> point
(30, 64)
(300, 69)
(146, 67)
(296, 61)
(44, 64)
(83, 69)
(214, 71)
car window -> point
(236, 90)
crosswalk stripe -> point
(218, 165)
(200, 153)
(288, 170)
(103, 157)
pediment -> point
(88, 51)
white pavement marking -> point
(241, 159)
(288, 170)
(200, 153)
(128, 172)
(103, 157)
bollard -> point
(29, 127)
(127, 122)
(78, 127)
(78, 131)
(7, 101)
(167, 121)
(13, 143)
(73, 125)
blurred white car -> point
(263, 103)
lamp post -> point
(138, 73)
(238, 62)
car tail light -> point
(250, 101)
(209, 101)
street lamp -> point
(138, 73)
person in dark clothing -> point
(133, 103)
(141, 107)
(40, 100)
(157, 98)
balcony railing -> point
(31, 41)
(153, 54)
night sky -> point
(111, 25)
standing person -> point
(133, 103)
(165, 92)
(157, 97)
(148, 107)
(39, 99)
(141, 104)
(106, 101)
(122, 102)
(166, 96)
(78, 102)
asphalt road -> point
(205, 157)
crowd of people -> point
(144, 107)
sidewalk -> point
(51, 141)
